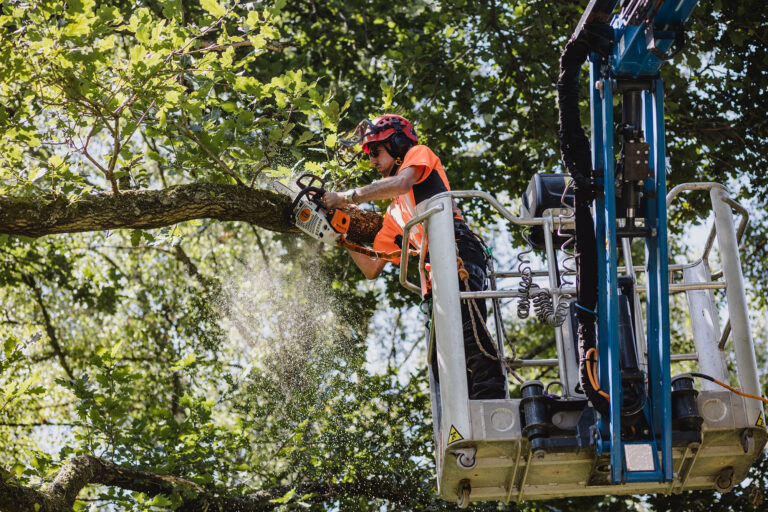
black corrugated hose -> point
(575, 153)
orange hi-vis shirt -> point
(402, 209)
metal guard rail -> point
(463, 194)
(556, 222)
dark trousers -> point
(485, 377)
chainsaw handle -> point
(314, 194)
(311, 184)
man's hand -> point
(335, 200)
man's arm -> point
(371, 267)
(385, 188)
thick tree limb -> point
(84, 470)
(61, 494)
(146, 209)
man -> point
(411, 174)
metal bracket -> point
(747, 440)
(651, 36)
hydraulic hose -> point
(576, 156)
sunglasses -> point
(373, 151)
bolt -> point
(539, 454)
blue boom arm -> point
(626, 52)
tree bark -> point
(148, 209)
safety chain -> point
(474, 311)
(496, 304)
(352, 246)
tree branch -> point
(147, 209)
(224, 167)
(261, 247)
(49, 329)
(84, 470)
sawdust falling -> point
(284, 321)
(297, 348)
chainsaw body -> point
(310, 214)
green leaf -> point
(184, 362)
(80, 27)
(313, 168)
(136, 237)
(116, 349)
(253, 19)
(159, 501)
(227, 57)
(55, 161)
(304, 137)
(39, 173)
(9, 345)
(143, 33)
(285, 498)
(173, 97)
(107, 43)
(213, 7)
(137, 54)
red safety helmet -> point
(384, 127)
(396, 130)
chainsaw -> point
(309, 213)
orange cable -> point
(729, 388)
(592, 377)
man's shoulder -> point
(421, 155)
(421, 148)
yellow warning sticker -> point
(454, 435)
(760, 422)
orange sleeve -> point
(421, 156)
(385, 238)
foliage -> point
(96, 95)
